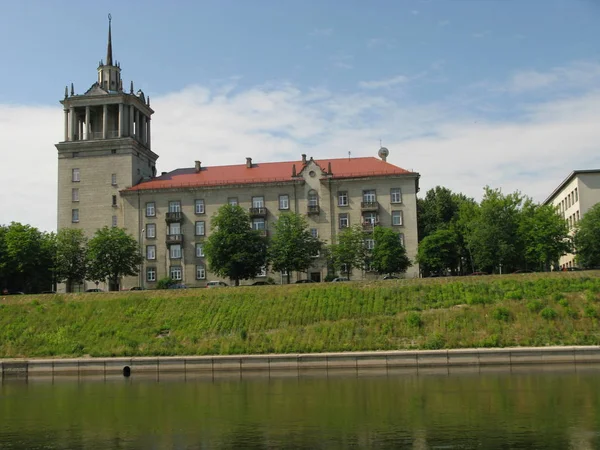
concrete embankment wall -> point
(240, 364)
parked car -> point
(94, 290)
(305, 281)
(391, 277)
(338, 279)
(216, 284)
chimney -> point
(163, 173)
(198, 166)
(249, 163)
(303, 158)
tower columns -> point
(131, 119)
(149, 140)
(104, 121)
(87, 123)
(137, 124)
(120, 120)
(66, 124)
(73, 123)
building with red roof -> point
(107, 177)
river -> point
(532, 408)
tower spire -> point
(109, 59)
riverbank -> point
(533, 310)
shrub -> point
(590, 311)
(535, 306)
(479, 300)
(563, 302)
(513, 295)
(590, 296)
(573, 314)
(501, 314)
(414, 320)
(558, 297)
(548, 313)
(165, 283)
(434, 342)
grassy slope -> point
(532, 310)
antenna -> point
(380, 144)
(349, 153)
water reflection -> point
(525, 410)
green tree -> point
(71, 261)
(350, 252)
(439, 252)
(545, 235)
(292, 247)
(587, 239)
(494, 233)
(234, 249)
(112, 254)
(389, 255)
(437, 210)
(26, 259)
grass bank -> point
(493, 311)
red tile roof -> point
(273, 172)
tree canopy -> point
(292, 247)
(70, 264)
(233, 249)
(388, 255)
(112, 254)
(349, 252)
(587, 239)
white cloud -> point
(532, 152)
(578, 74)
(481, 34)
(343, 61)
(321, 32)
(384, 83)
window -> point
(284, 202)
(344, 221)
(199, 207)
(113, 151)
(200, 228)
(343, 198)
(258, 202)
(75, 154)
(395, 195)
(151, 231)
(314, 233)
(150, 209)
(114, 221)
(113, 179)
(175, 228)
(313, 198)
(199, 250)
(151, 274)
(258, 224)
(175, 207)
(397, 218)
(401, 238)
(369, 196)
(370, 218)
(263, 272)
(175, 251)
(75, 175)
(369, 244)
(150, 251)
(576, 195)
(114, 200)
(200, 272)
(75, 194)
(74, 215)
(175, 273)
(232, 201)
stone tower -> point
(106, 148)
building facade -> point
(572, 199)
(107, 177)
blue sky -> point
(466, 92)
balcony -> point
(369, 206)
(258, 212)
(313, 210)
(174, 217)
(174, 239)
(368, 225)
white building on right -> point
(573, 198)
